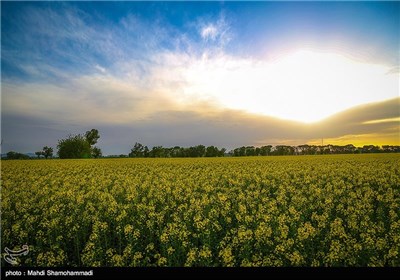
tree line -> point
(83, 146)
(139, 150)
(280, 150)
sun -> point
(305, 85)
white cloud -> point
(302, 86)
(209, 32)
(217, 31)
(135, 84)
(101, 69)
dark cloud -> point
(228, 128)
(354, 121)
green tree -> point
(92, 136)
(157, 152)
(250, 151)
(39, 153)
(146, 151)
(211, 151)
(265, 150)
(96, 152)
(47, 152)
(15, 155)
(138, 150)
(200, 150)
(221, 153)
(370, 149)
(75, 146)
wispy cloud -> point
(131, 60)
(116, 72)
(217, 30)
(47, 43)
(134, 52)
(209, 32)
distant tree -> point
(221, 152)
(312, 150)
(304, 149)
(137, 150)
(11, 155)
(96, 152)
(212, 151)
(279, 150)
(370, 149)
(329, 149)
(200, 150)
(239, 152)
(92, 136)
(265, 150)
(282, 150)
(75, 146)
(324, 150)
(192, 152)
(47, 152)
(39, 153)
(390, 149)
(117, 156)
(157, 152)
(350, 149)
(250, 151)
(146, 152)
(15, 155)
(177, 152)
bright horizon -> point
(291, 86)
(214, 73)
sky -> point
(189, 73)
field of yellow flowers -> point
(341, 210)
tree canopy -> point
(15, 155)
(79, 146)
(75, 146)
(92, 136)
(47, 152)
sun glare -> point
(304, 86)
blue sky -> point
(255, 29)
(164, 72)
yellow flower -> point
(227, 257)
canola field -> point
(339, 210)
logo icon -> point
(11, 254)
